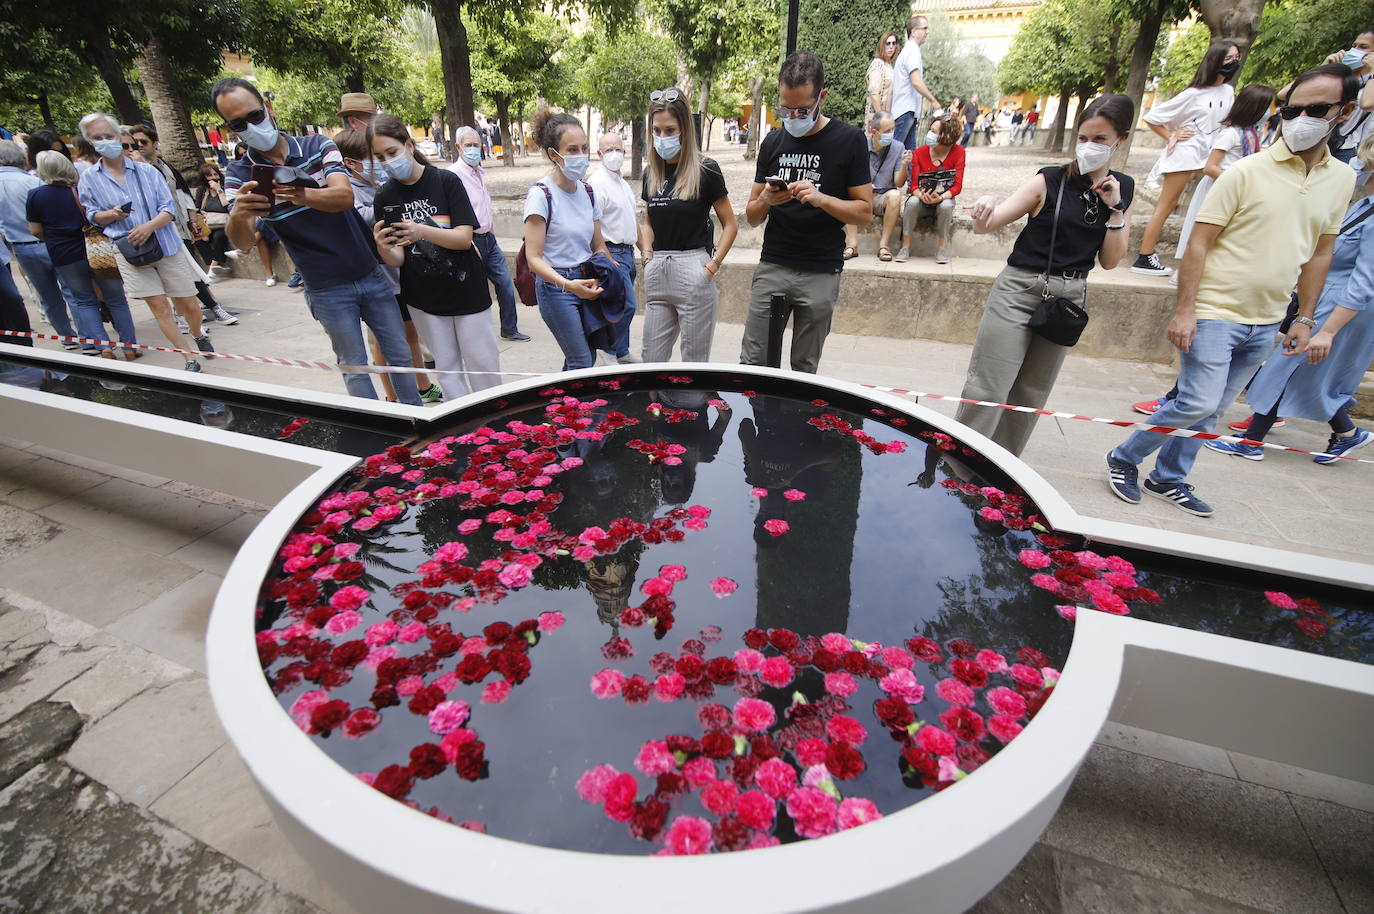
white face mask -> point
(1302, 133)
(613, 160)
(1092, 156)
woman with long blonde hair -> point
(681, 189)
(878, 80)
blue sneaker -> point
(1123, 479)
(1236, 449)
(1180, 494)
(295, 282)
(1338, 446)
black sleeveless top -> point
(1081, 230)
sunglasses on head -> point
(665, 95)
(1288, 112)
(252, 117)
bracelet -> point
(1306, 321)
(1115, 228)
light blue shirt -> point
(15, 184)
(144, 187)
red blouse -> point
(921, 163)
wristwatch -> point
(1311, 324)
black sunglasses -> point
(1288, 112)
(252, 117)
(128, 146)
(665, 95)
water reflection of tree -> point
(802, 576)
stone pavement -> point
(119, 793)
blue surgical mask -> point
(110, 149)
(262, 136)
(932, 138)
(375, 173)
(799, 126)
(1354, 58)
(575, 167)
(472, 155)
(400, 166)
(885, 140)
(668, 147)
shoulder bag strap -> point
(1054, 230)
(133, 172)
(80, 210)
(1358, 219)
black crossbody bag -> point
(1056, 318)
(150, 251)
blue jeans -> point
(54, 299)
(624, 254)
(968, 132)
(1212, 372)
(77, 278)
(904, 130)
(562, 312)
(341, 306)
(13, 314)
(494, 259)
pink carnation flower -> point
(843, 729)
(1027, 675)
(902, 684)
(550, 622)
(654, 758)
(700, 771)
(723, 587)
(840, 684)
(936, 741)
(1091, 560)
(794, 495)
(776, 527)
(813, 812)
(451, 552)
(1003, 727)
(748, 660)
(1111, 603)
(350, 597)
(756, 810)
(836, 642)
(1117, 563)
(991, 514)
(607, 683)
(380, 633)
(955, 692)
(448, 716)
(1033, 558)
(777, 671)
(343, 622)
(811, 752)
(514, 575)
(669, 687)
(673, 573)
(592, 785)
(856, 811)
(720, 797)
(897, 658)
(753, 715)
(1005, 701)
(1068, 612)
(990, 661)
(412, 632)
(496, 692)
(1280, 599)
(687, 835)
(409, 686)
(759, 493)
(471, 525)
(776, 778)
(1046, 582)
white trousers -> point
(463, 342)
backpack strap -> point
(548, 198)
(591, 195)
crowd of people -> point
(387, 241)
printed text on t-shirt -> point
(800, 166)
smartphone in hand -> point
(263, 175)
(776, 183)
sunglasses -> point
(128, 146)
(665, 95)
(1288, 112)
(787, 113)
(252, 117)
(891, 42)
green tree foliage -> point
(844, 33)
(709, 33)
(1298, 34)
(1185, 52)
(1060, 49)
(617, 78)
(955, 68)
(355, 39)
(512, 52)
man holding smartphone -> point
(811, 180)
(328, 241)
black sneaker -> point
(1180, 494)
(203, 344)
(1149, 265)
(1123, 479)
(517, 337)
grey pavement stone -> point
(13, 457)
(116, 679)
(40, 732)
(173, 624)
(43, 481)
(47, 670)
(1031, 888)
(1211, 834)
(159, 521)
(1305, 783)
(100, 466)
(16, 623)
(21, 531)
(1167, 748)
(151, 741)
(214, 551)
(1344, 839)
(1089, 886)
(68, 844)
(115, 577)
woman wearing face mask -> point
(562, 231)
(1010, 363)
(878, 80)
(938, 202)
(681, 189)
(1187, 123)
(365, 176)
(424, 227)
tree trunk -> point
(1233, 20)
(1143, 51)
(456, 66)
(1056, 139)
(176, 133)
(1071, 137)
(46, 111)
(503, 121)
(95, 42)
(353, 81)
(751, 150)
(1109, 71)
(637, 148)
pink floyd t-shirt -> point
(435, 279)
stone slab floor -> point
(118, 792)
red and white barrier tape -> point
(400, 369)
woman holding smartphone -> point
(681, 188)
(425, 229)
(562, 231)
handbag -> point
(100, 250)
(524, 276)
(1056, 318)
(150, 251)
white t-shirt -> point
(1201, 109)
(905, 99)
(617, 201)
(568, 235)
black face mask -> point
(1230, 68)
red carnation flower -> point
(470, 761)
(670, 783)
(446, 645)
(962, 647)
(328, 715)
(513, 665)
(756, 638)
(969, 672)
(394, 781)
(472, 668)
(1031, 657)
(924, 649)
(721, 670)
(855, 663)
(497, 632)
(713, 717)
(385, 697)
(894, 713)
(427, 760)
(826, 661)
(636, 690)
(350, 653)
(694, 646)
(690, 666)
(1311, 627)
(782, 639)
(678, 743)
(965, 723)
(844, 761)
(922, 762)
(717, 744)
(730, 834)
(647, 819)
(426, 700)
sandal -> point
(884, 254)
(132, 354)
(850, 252)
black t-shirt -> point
(834, 158)
(970, 113)
(1081, 230)
(55, 209)
(683, 225)
(435, 279)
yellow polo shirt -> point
(1272, 211)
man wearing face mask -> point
(1269, 221)
(332, 248)
(1346, 138)
(469, 167)
(888, 161)
(619, 227)
(810, 181)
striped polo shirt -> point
(328, 248)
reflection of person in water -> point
(700, 436)
(803, 575)
(932, 459)
(215, 414)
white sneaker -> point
(221, 268)
(182, 325)
(210, 277)
(233, 254)
(270, 281)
